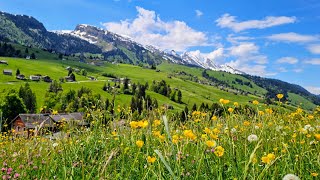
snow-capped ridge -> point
(94, 34)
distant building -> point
(27, 124)
(28, 57)
(46, 79)
(35, 78)
(68, 68)
(76, 70)
(92, 78)
(3, 62)
(21, 77)
(7, 72)
(69, 79)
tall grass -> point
(203, 147)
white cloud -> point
(314, 48)
(282, 69)
(293, 37)
(228, 21)
(216, 54)
(148, 29)
(313, 90)
(253, 69)
(244, 49)
(314, 61)
(298, 70)
(248, 59)
(288, 60)
(199, 13)
(238, 39)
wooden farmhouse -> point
(35, 78)
(3, 62)
(27, 124)
(21, 77)
(7, 72)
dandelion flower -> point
(189, 134)
(139, 143)
(210, 144)
(314, 174)
(219, 151)
(252, 138)
(279, 96)
(255, 102)
(151, 159)
(268, 158)
(230, 110)
(290, 177)
(156, 123)
(214, 118)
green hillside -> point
(193, 91)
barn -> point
(27, 124)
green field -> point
(193, 92)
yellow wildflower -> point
(134, 124)
(269, 110)
(214, 118)
(151, 159)
(219, 151)
(314, 174)
(279, 96)
(317, 136)
(255, 102)
(189, 134)
(207, 130)
(139, 143)
(268, 159)
(156, 123)
(246, 123)
(230, 110)
(210, 144)
(54, 112)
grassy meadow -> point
(272, 144)
(193, 92)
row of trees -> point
(7, 50)
(163, 88)
(16, 102)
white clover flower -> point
(311, 129)
(233, 130)
(55, 144)
(256, 127)
(313, 142)
(252, 138)
(307, 127)
(278, 128)
(290, 177)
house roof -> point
(67, 117)
(33, 120)
(7, 70)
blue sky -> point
(275, 38)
